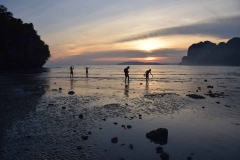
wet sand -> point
(41, 121)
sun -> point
(149, 44)
(149, 58)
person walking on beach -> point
(126, 74)
(147, 74)
(71, 71)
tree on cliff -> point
(20, 46)
(208, 53)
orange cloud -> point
(120, 59)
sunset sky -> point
(113, 31)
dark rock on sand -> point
(218, 102)
(84, 137)
(209, 86)
(63, 107)
(80, 116)
(205, 80)
(79, 147)
(60, 88)
(124, 126)
(130, 146)
(159, 149)
(71, 92)
(122, 144)
(158, 136)
(164, 156)
(129, 126)
(189, 158)
(114, 140)
(104, 119)
(203, 107)
(115, 123)
(213, 95)
(89, 132)
(195, 96)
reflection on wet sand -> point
(147, 87)
(19, 96)
(71, 83)
(126, 90)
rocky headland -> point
(21, 47)
(208, 53)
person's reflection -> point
(86, 75)
(71, 83)
(126, 90)
(147, 87)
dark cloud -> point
(89, 57)
(170, 53)
(222, 28)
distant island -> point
(208, 53)
(138, 63)
(21, 46)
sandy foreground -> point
(41, 121)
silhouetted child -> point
(147, 74)
(126, 74)
(71, 71)
(86, 69)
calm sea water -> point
(165, 77)
(136, 72)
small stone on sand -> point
(114, 140)
(130, 146)
(71, 92)
(129, 126)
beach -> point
(41, 120)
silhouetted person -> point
(126, 74)
(147, 74)
(71, 71)
(86, 69)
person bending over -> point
(147, 74)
